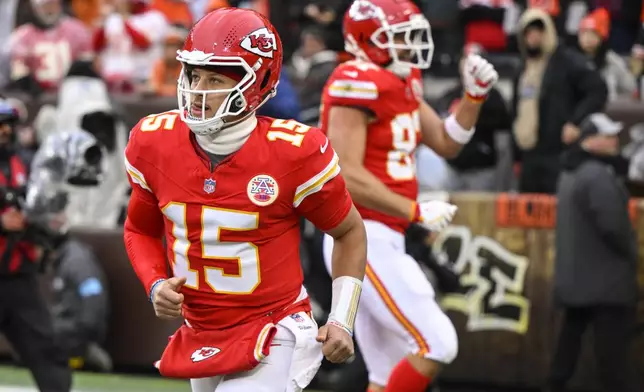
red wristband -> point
(475, 99)
(415, 212)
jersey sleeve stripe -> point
(315, 183)
(136, 176)
(353, 89)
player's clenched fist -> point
(435, 215)
(167, 299)
(337, 344)
(479, 76)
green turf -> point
(93, 382)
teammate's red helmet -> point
(231, 37)
(381, 30)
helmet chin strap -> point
(230, 137)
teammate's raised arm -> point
(447, 137)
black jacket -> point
(571, 89)
(596, 246)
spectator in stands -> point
(176, 12)
(474, 169)
(555, 89)
(129, 41)
(329, 15)
(87, 11)
(42, 51)
(483, 22)
(593, 33)
(7, 25)
(637, 61)
(166, 70)
(626, 19)
(310, 67)
(285, 104)
(596, 258)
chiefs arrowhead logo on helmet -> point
(260, 42)
(362, 10)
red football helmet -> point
(230, 37)
(383, 31)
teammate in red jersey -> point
(228, 188)
(44, 49)
(374, 115)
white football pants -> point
(398, 314)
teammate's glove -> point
(434, 215)
(479, 76)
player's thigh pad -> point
(293, 361)
(400, 302)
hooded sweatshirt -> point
(526, 123)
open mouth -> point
(197, 110)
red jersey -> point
(392, 134)
(233, 229)
(46, 54)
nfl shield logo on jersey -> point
(262, 190)
(209, 185)
(297, 317)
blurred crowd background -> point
(129, 46)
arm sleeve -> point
(143, 230)
(590, 86)
(321, 194)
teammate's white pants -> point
(294, 359)
(398, 313)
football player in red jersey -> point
(227, 188)
(374, 115)
(44, 50)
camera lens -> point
(93, 155)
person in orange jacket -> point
(166, 70)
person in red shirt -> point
(43, 51)
(227, 189)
